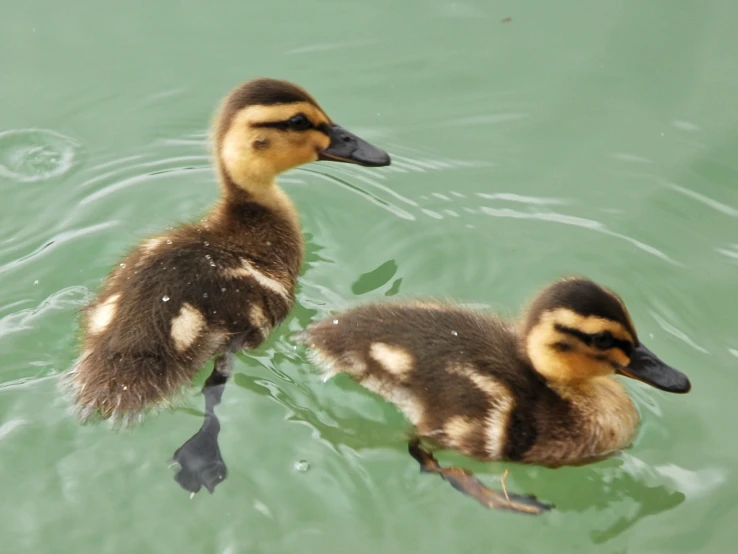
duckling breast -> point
(584, 423)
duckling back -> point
(463, 379)
(177, 301)
(456, 374)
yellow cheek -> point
(619, 357)
(321, 142)
(579, 365)
(298, 155)
(307, 154)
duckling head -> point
(267, 126)
(576, 330)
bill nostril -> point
(346, 139)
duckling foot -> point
(463, 480)
(199, 459)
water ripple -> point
(681, 335)
(730, 252)
(374, 199)
(524, 199)
(56, 241)
(149, 170)
(23, 320)
(32, 155)
(327, 46)
(575, 221)
(706, 200)
(487, 118)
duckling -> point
(540, 391)
(213, 288)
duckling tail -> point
(122, 388)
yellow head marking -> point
(267, 126)
(566, 346)
(259, 145)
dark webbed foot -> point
(199, 459)
(463, 480)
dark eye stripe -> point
(273, 124)
(588, 338)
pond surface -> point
(530, 140)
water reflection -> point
(603, 487)
(615, 488)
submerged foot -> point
(199, 459)
(464, 481)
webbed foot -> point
(464, 481)
(199, 459)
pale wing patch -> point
(393, 359)
(501, 405)
(248, 270)
(103, 314)
(258, 319)
(348, 362)
(187, 326)
(457, 429)
(401, 397)
(497, 421)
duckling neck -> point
(263, 191)
(603, 420)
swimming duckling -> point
(541, 391)
(216, 287)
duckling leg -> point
(463, 480)
(199, 459)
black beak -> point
(347, 147)
(647, 367)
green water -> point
(578, 137)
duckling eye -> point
(299, 123)
(603, 341)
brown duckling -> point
(213, 288)
(542, 391)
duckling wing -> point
(171, 305)
(453, 372)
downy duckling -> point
(541, 391)
(216, 287)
